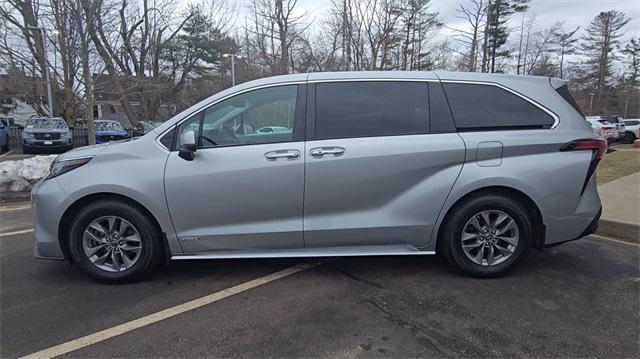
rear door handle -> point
(288, 154)
(321, 151)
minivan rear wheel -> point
(114, 241)
(486, 236)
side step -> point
(399, 250)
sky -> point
(573, 12)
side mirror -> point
(188, 145)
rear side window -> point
(487, 107)
(371, 108)
(566, 95)
(632, 123)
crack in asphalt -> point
(359, 279)
(416, 328)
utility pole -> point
(46, 64)
(591, 104)
(233, 66)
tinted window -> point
(167, 139)
(260, 116)
(478, 107)
(566, 95)
(632, 123)
(439, 111)
(377, 108)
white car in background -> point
(604, 129)
(632, 129)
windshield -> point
(47, 123)
(108, 126)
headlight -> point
(27, 135)
(63, 166)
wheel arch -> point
(67, 217)
(522, 198)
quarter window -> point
(366, 109)
(260, 116)
(487, 107)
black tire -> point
(630, 137)
(27, 150)
(450, 240)
(152, 252)
(5, 147)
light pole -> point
(46, 65)
(591, 104)
(233, 66)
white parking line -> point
(14, 208)
(615, 240)
(22, 231)
(164, 314)
(7, 153)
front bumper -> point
(62, 143)
(47, 199)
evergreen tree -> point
(602, 37)
(496, 32)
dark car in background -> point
(46, 134)
(144, 127)
(110, 130)
(4, 138)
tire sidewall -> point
(146, 229)
(470, 208)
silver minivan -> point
(478, 168)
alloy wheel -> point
(112, 243)
(490, 237)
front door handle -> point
(288, 154)
(321, 151)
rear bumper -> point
(591, 228)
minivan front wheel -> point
(114, 241)
(486, 236)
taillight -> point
(597, 146)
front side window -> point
(488, 107)
(371, 108)
(256, 117)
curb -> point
(13, 197)
(623, 230)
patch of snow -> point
(20, 175)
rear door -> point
(380, 163)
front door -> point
(243, 190)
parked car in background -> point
(50, 134)
(144, 127)
(386, 163)
(4, 138)
(632, 129)
(614, 120)
(110, 130)
(604, 129)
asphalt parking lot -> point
(577, 300)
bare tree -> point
(474, 15)
(275, 27)
(565, 44)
